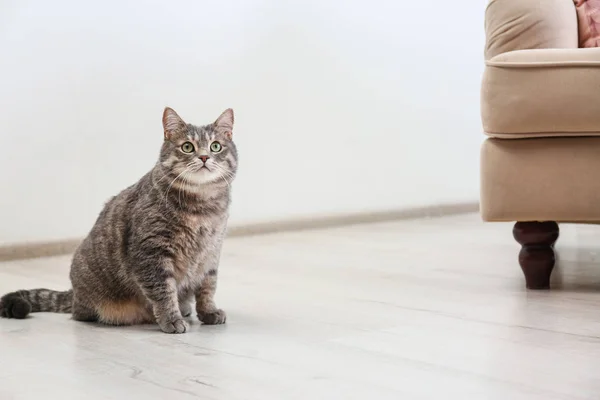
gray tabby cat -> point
(155, 247)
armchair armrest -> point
(541, 58)
(542, 92)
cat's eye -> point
(216, 147)
(187, 147)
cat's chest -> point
(197, 233)
(202, 230)
(197, 240)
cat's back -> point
(112, 229)
(122, 206)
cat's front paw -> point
(216, 317)
(177, 325)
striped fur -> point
(20, 303)
(155, 247)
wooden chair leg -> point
(537, 256)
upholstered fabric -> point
(542, 91)
(529, 24)
(544, 179)
(588, 17)
(533, 93)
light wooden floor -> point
(431, 309)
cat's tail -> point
(22, 302)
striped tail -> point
(22, 302)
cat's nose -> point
(203, 158)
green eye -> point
(215, 147)
(187, 147)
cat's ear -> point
(172, 123)
(225, 122)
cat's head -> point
(200, 154)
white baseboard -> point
(323, 222)
(60, 247)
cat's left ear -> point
(225, 122)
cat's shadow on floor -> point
(150, 328)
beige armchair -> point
(540, 108)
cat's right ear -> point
(172, 123)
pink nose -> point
(204, 158)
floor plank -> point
(423, 309)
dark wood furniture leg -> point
(537, 252)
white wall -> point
(341, 106)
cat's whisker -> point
(226, 173)
(229, 174)
(164, 175)
(188, 171)
(223, 173)
(185, 182)
(169, 188)
(222, 169)
(226, 181)
(222, 176)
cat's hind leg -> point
(206, 308)
(125, 312)
(186, 300)
(84, 313)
